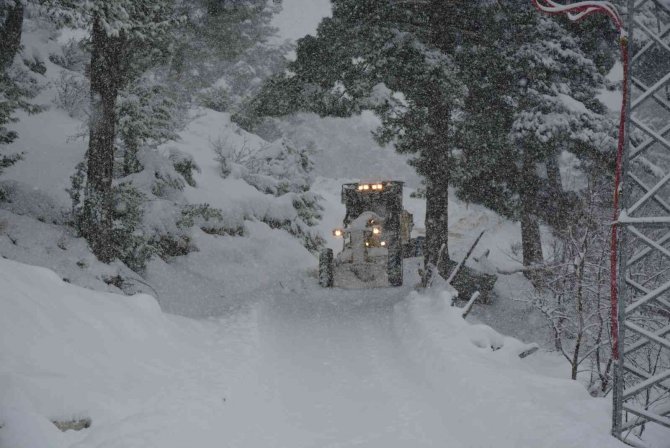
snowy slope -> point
(226, 270)
(308, 368)
(222, 273)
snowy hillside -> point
(305, 368)
(221, 271)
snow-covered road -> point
(306, 368)
(340, 376)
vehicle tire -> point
(326, 268)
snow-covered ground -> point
(305, 368)
(273, 360)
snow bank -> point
(69, 353)
(496, 398)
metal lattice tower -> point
(642, 372)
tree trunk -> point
(10, 35)
(559, 210)
(99, 201)
(530, 236)
(530, 223)
(437, 207)
(437, 227)
(554, 175)
(434, 166)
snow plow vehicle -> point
(376, 237)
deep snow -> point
(305, 368)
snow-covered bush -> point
(72, 94)
(35, 62)
(72, 56)
(151, 215)
(297, 214)
(283, 171)
(232, 158)
(147, 116)
(185, 165)
(128, 237)
(274, 168)
(209, 220)
(17, 86)
(217, 98)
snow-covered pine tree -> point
(532, 96)
(11, 17)
(126, 35)
(147, 116)
(16, 86)
(11, 23)
(219, 46)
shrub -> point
(215, 98)
(72, 95)
(72, 56)
(184, 165)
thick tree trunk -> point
(434, 165)
(436, 173)
(10, 35)
(559, 210)
(437, 227)
(530, 223)
(99, 201)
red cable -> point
(576, 12)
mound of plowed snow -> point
(494, 397)
(69, 353)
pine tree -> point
(214, 37)
(126, 36)
(147, 117)
(533, 96)
(16, 86)
(11, 16)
